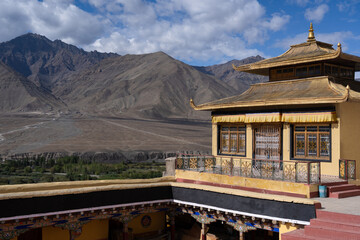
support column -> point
(125, 231)
(241, 236)
(203, 219)
(204, 230)
(75, 228)
(172, 227)
(75, 233)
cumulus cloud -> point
(349, 7)
(316, 14)
(54, 19)
(189, 30)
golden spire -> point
(311, 37)
(339, 46)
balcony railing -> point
(347, 169)
(291, 171)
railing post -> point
(221, 164)
(240, 169)
(346, 169)
(198, 163)
(231, 166)
(354, 169)
(319, 171)
(253, 163)
(308, 173)
(296, 172)
(214, 164)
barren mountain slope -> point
(150, 85)
(46, 62)
(238, 80)
(18, 94)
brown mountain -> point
(46, 62)
(149, 85)
(18, 94)
(240, 81)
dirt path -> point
(36, 125)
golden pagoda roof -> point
(307, 52)
(315, 90)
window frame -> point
(229, 132)
(306, 134)
(339, 72)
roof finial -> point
(339, 46)
(311, 36)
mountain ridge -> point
(18, 94)
(147, 85)
(45, 62)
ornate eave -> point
(307, 52)
(308, 91)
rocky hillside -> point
(240, 81)
(44, 62)
(149, 85)
(18, 94)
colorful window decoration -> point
(232, 139)
(146, 221)
(312, 142)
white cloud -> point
(349, 6)
(316, 14)
(190, 30)
(54, 19)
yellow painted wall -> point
(94, 230)
(214, 139)
(284, 228)
(286, 141)
(157, 223)
(55, 233)
(290, 187)
(350, 132)
(249, 141)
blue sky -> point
(198, 32)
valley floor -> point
(36, 134)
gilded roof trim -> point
(344, 95)
(251, 68)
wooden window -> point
(311, 141)
(232, 139)
(308, 71)
(282, 74)
(338, 71)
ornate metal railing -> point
(347, 169)
(292, 171)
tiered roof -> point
(307, 52)
(313, 90)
